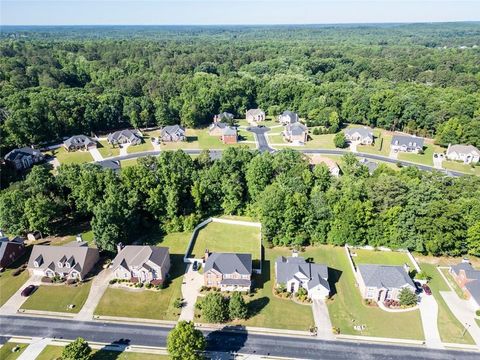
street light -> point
(465, 329)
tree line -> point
(296, 203)
(415, 78)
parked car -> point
(426, 289)
(195, 266)
(419, 287)
(28, 290)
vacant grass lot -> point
(146, 303)
(72, 157)
(107, 150)
(451, 330)
(218, 237)
(52, 352)
(146, 145)
(126, 163)
(58, 298)
(381, 145)
(381, 257)
(201, 139)
(425, 159)
(461, 167)
(6, 350)
(320, 141)
(9, 284)
(347, 309)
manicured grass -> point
(244, 135)
(461, 167)
(380, 257)
(52, 352)
(6, 350)
(201, 139)
(72, 157)
(381, 145)
(425, 159)
(9, 284)
(277, 139)
(107, 150)
(86, 236)
(126, 163)
(58, 297)
(450, 328)
(453, 284)
(146, 145)
(148, 303)
(347, 308)
(219, 237)
(269, 121)
(324, 141)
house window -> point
(35, 264)
(389, 295)
(59, 264)
(370, 293)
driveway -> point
(191, 285)
(17, 300)
(429, 313)
(96, 154)
(322, 320)
(463, 312)
(437, 161)
(123, 149)
(260, 138)
(353, 146)
(393, 154)
(98, 288)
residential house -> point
(296, 133)
(145, 264)
(228, 134)
(255, 115)
(125, 137)
(172, 133)
(224, 116)
(469, 281)
(24, 158)
(383, 282)
(288, 117)
(10, 250)
(407, 143)
(295, 272)
(79, 142)
(362, 135)
(371, 165)
(228, 271)
(467, 153)
(71, 261)
(317, 159)
(114, 165)
(216, 129)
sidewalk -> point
(34, 349)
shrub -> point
(316, 131)
(215, 308)
(71, 281)
(340, 140)
(17, 272)
(407, 297)
(148, 285)
(477, 312)
(46, 280)
(336, 330)
(178, 303)
(113, 281)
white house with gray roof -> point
(228, 271)
(172, 133)
(255, 115)
(295, 272)
(362, 135)
(79, 142)
(125, 137)
(407, 143)
(145, 264)
(71, 261)
(383, 282)
(467, 153)
(224, 116)
(296, 133)
(288, 117)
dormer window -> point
(59, 264)
(67, 265)
(36, 264)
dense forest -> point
(297, 204)
(423, 79)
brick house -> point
(469, 281)
(228, 271)
(10, 250)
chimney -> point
(1, 233)
(79, 238)
(294, 253)
(406, 268)
(207, 254)
(119, 247)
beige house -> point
(467, 153)
(317, 159)
(255, 115)
(383, 282)
(228, 271)
(71, 261)
(145, 264)
(296, 133)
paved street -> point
(295, 347)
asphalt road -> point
(222, 341)
(259, 132)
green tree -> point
(77, 350)
(215, 308)
(237, 308)
(185, 342)
(407, 297)
(340, 140)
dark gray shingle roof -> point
(408, 141)
(137, 255)
(229, 263)
(384, 276)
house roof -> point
(473, 286)
(288, 267)
(51, 255)
(135, 256)
(463, 149)
(255, 112)
(78, 140)
(316, 159)
(408, 141)
(229, 130)
(364, 132)
(17, 154)
(229, 263)
(173, 130)
(218, 124)
(225, 115)
(110, 164)
(293, 116)
(5, 243)
(296, 128)
(371, 165)
(384, 276)
(128, 134)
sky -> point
(221, 12)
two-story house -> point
(228, 271)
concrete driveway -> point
(353, 146)
(17, 300)
(429, 314)
(96, 154)
(98, 288)
(191, 285)
(322, 320)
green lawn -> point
(6, 350)
(200, 139)
(58, 297)
(461, 167)
(277, 139)
(62, 240)
(380, 257)
(219, 237)
(52, 352)
(450, 328)
(425, 159)
(126, 163)
(107, 150)
(146, 145)
(146, 303)
(347, 308)
(265, 309)
(244, 135)
(324, 141)
(72, 157)
(452, 282)
(269, 121)
(381, 145)
(9, 284)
